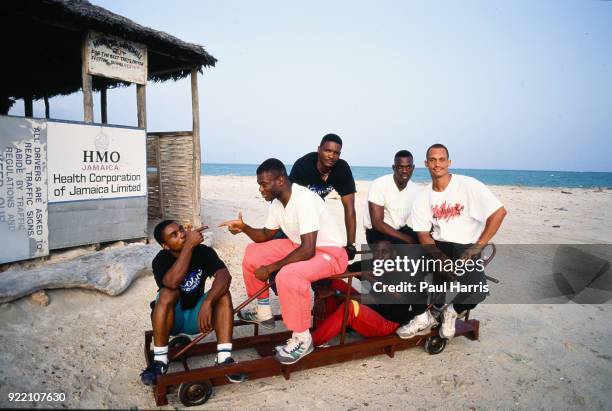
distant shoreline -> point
(522, 178)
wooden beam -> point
(28, 106)
(46, 99)
(103, 114)
(141, 102)
(195, 109)
(87, 84)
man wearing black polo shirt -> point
(322, 172)
(181, 306)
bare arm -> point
(176, 274)
(492, 225)
(220, 286)
(377, 215)
(350, 219)
(258, 235)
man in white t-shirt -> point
(387, 212)
(313, 250)
(455, 218)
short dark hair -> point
(159, 229)
(402, 153)
(272, 164)
(334, 138)
(437, 145)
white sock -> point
(160, 354)
(451, 309)
(304, 337)
(224, 351)
(264, 311)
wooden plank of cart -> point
(195, 385)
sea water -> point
(491, 177)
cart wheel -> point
(195, 393)
(435, 345)
(179, 341)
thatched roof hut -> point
(54, 47)
(43, 40)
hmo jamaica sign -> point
(90, 162)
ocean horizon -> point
(527, 178)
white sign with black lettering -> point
(113, 57)
(23, 189)
(89, 162)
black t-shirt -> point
(204, 263)
(304, 172)
(396, 308)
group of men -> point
(300, 243)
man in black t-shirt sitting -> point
(322, 172)
(181, 269)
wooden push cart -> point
(195, 385)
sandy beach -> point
(88, 345)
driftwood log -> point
(110, 271)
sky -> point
(522, 85)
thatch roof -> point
(42, 47)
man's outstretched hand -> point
(194, 236)
(234, 226)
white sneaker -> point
(419, 325)
(449, 316)
(251, 316)
(293, 351)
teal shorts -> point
(186, 321)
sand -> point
(89, 345)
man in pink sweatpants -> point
(313, 250)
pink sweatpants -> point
(293, 280)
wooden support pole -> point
(46, 106)
(141, 102)
(87, 85)
(103, 115)
(195, 107)
(28, 106)
(158, 161)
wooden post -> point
(87, 94)
(195, 108)
(46, 106)
(28, 107)
(141, 102)
(162, 212)
(103, 116)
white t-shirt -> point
(397, 204)
(305, 213)
(458, 214)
